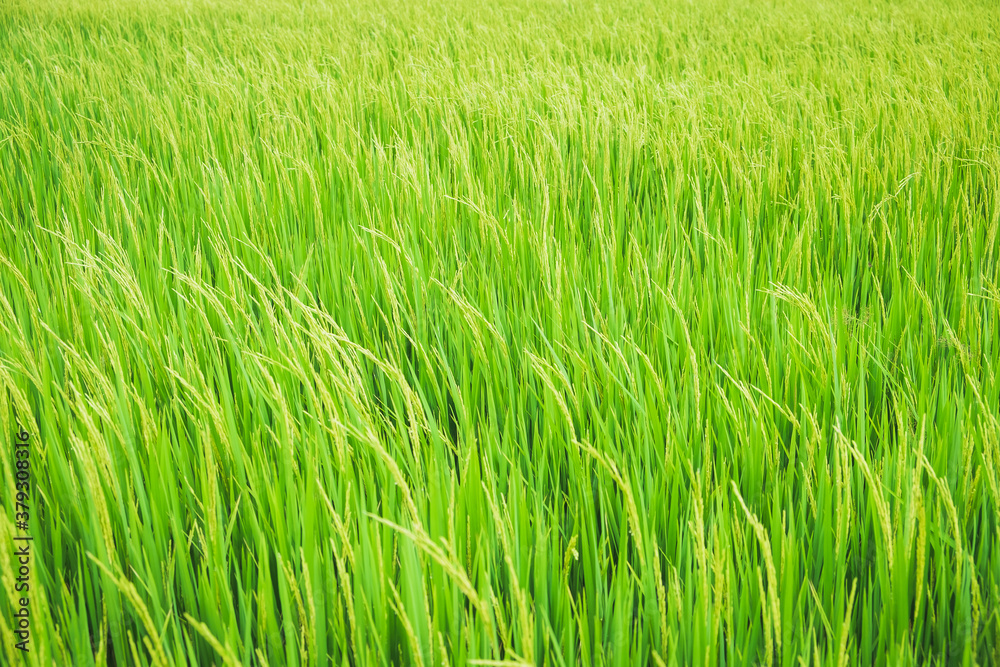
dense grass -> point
(552, 333)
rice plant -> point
(517, 332)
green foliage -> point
(521, 332)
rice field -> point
(506, 333)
